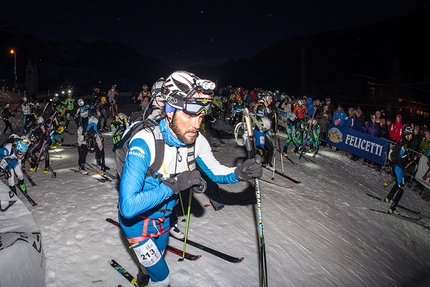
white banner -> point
(423, 172)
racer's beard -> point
(184, 135)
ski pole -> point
(274, 164)
(250, 146)
(280, 152)
(187, 225)
(394, 177)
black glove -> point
(200, 188)
(186, 179)
(249, 169)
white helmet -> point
(40, 120)
(156, 89)
(186, 91)
(80, 102)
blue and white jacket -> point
(142, 195)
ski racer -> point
(40, 142)
(314, 137)
(6, 113)
(144, 97)
(82, 113)
(69, 110)
(400, 157)
(294, 135)
(238, 105)
(11, 154)
(147, 197)
(90, 140)
(263, 141)
(27, 111)
(112, 95)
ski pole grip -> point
(201, 187)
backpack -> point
(150, 125)
(394, 155)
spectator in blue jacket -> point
(310, 107)
(339, 116)
(350, 119)
(358, 120)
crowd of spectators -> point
(377, 124)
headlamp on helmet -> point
(186, 91)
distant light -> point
(201, 12)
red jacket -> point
(300, 111)
(396, 130)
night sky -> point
(182, 33)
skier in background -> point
(11, 154)
(112, 95)
(6, 113)
(400, 157)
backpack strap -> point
(191, 159)
(159, 149)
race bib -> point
(262, 139)
(3, 164)
(148, 253)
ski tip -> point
(239, 260)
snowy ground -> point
(318, 233)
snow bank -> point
(22, 262)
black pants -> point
(82, 153)
(7, 125)
(37, 147)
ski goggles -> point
(197, 106)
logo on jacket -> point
(137, 151)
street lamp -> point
(12, 51)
